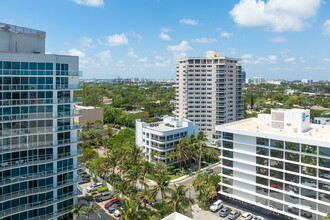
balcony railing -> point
(39, 189)
(11, 180)
(68, 127)
(40, 72)
(69, 86)
(32, 116)
(40, 101)
(36, 204)
(21, 131)
(25, 161)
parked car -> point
(246, 216)
(111, 202)
(104, 196)
(94, 187)
(224, 212)
(234, 215)
(114, 207)
(258, 218)
(84, 181)
(209, 171)
(117, 213)
(82, 173)
(216, 206)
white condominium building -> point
(209, 91)
(278, 162)
(158, 139)
(38, 138)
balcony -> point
(12, 180)
(14, 72)
(42, 189)
(25, 161)
(40, 101)
(68, 86)
(21, 131)
(68, 127)
(38, 204)
(37, 144)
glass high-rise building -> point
(38, 138)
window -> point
(262, 141)
(262, 151)
(292, 156)
(228, 136)
(308, 149)
(276, 153)
(276, 143)
(292, 146)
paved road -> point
(188, 183)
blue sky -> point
(281, 39)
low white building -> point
(278, 163)
(162, 137)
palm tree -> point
(146, 168)
(162, 182)
(92, 210)
(163, 209)
(178, 199)
(160, 168)
(131, 209)
(182, 151)
(98, 122)
(200, 182)
(146, 195)
(78, 210)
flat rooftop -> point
(162, 127)
(316, 132)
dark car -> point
(111, 202)
(224, 212)
(234, 215)
(113, 208)
(84, 181)
(209, 171)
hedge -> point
(103, 189)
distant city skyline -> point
(276, 39)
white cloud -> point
(204, 40)
(247, 56)
(104, 56)
(131, 53)
(143, 60)
(164, 36)
(278, 15)
(87, 43)
(232, 51)
(158, 58)
(180, 50)
(75, 52)
(326, 28)
(308, 68)
(189, 21)
(218, 29)
(289, 59)
(115, 40)
(92, 3)
(326, 59)
(278, 39)
(134, 34)
(226, 34)
(284, 52)
(165, 29)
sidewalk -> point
(193, 173)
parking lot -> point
(199, 214)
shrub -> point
(103, 189)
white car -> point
(94, 187)
(246, 216)
(216, 206)
(117, 213)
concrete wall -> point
(91, 115)
(16, 42)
